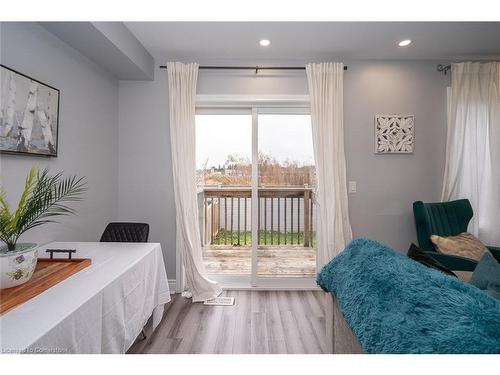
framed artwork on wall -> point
(394, 134)
(29, 115)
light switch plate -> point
(352, 186)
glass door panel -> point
(224, 178)
(286, 177)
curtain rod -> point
(443, 68)
(256, 68)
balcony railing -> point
(285, 216)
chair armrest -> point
(453, 262)
(495, 251)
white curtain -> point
(182, 97)
(472, 146)
(325, 83)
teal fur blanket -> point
(396, 305)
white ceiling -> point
(305, 41)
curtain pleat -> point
(472, 168)
(182, 80)
(325, 82)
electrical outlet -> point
(353, 186)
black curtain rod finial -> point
(443, 68)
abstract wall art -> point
(394, 134)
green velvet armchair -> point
(445, 219)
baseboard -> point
(172, 285)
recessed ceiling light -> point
(265, 42)
(405, 43)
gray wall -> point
(145, 189)
(387, 184)
(88, 127)
(109, 44)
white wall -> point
(387, 184)
(88, 128)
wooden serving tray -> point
(48, 272)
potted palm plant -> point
(44, 198)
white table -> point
(101, 309)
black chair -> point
(126, 232)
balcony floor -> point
(273, 261)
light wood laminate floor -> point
(259, 322)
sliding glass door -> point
(256, 180)
(286, 177)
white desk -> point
(101, 309)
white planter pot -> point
(17, 267)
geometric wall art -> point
(394, 134)
(29, 115)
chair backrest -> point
(443, 219)
(126, 232)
